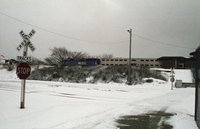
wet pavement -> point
(153, 120)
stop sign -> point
(23, 70)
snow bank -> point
(184, 74)
(8, 75)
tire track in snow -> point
(81, 122)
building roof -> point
(170, 58)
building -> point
(176, 62)
(172, 62)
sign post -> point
(23, 69)
(23, 72)
(172, 78)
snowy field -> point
(58, 105)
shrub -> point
(99, 73)
(149, 80)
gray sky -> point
(160, 27)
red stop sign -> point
(23, 70)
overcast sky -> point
(160, 27)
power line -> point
(94, 42)
(162, 43)
(59, 34)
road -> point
(52, 105)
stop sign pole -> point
(22, 102)
(172, 78)
(25, 43)
(23, 71)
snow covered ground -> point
(58, 105)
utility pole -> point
(129, 62)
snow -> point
(59, 105)
(180, 74)
(8, 75)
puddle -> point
(153, 120)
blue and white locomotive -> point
(82, 62)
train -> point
(82, 61)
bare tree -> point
(36, 61)
(59, 55)
(196, 53)
(107, 56)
